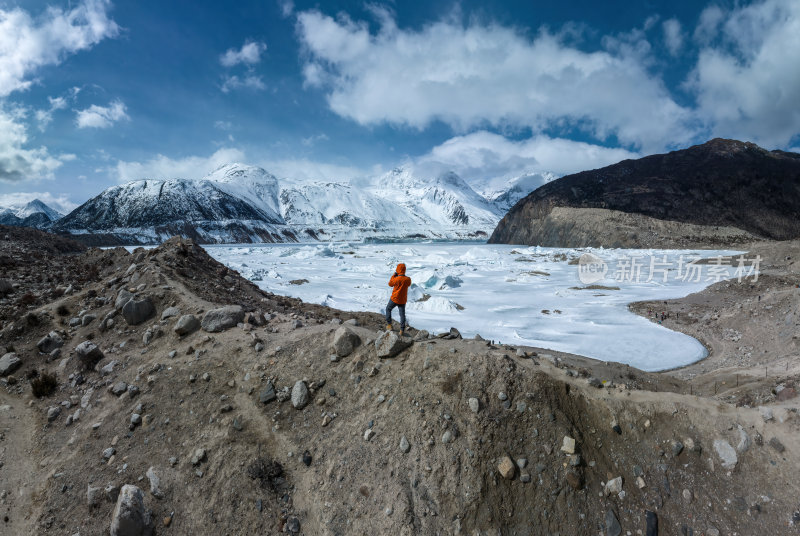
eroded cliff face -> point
(717, 193)
(596, 227)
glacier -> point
(516, 295)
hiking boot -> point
(402, 332)
(388, 327)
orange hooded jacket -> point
(400, 282)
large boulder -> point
(217, 320)
(89, 354)
(9, 363)
(137, 311)
(389, 344)
(50, 342)
(123, 297)
(186, 324)
(345, 341)
(130, 517)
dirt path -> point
(18, 484)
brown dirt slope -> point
(271, 468)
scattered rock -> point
(777, 445)
(677, 448)
(137, 311)
(744, 441)
(89, 354)
(447, 437)
(613, 527)
(93, 496)
(389, 344)
(130, 517)
(594, 382)
(155, 489)
(651, 524)
(198, 456)
(118, 388)
(766, 413)
(169, 312)
(53, 413)
(344, 342)
(568, 445)
(474, 405)
(293, 525)
(404, 445)
(726, 453)
(186, 325)
(506, 468)
(50, 342)
(300, 395)
(123, 297)
(614, 485)
(9, 363)
(267, 394)
(217, 320)
(368, 435)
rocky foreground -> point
(159, 392)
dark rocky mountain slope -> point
(720, 192)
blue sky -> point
(94, 93)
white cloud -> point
(60, 202)
(708, 25)
(197, 167)
(45, 116)
(249, 54)
(673, 36)
(28, 43)
(163, 167)
(484, 155)
(308, 170)
(223, 125)
(748, 82)
(101, 116)
(252, 82)
(287, 8)
(17, 162)
(487, 74)
(312, 140)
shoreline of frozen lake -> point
(517, 295)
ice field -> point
(512, 294)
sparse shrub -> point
(10, 348)
(62, 310)
(44, 385)
(27, 299)
(269, 473)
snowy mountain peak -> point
(250, 183)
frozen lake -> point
(512, 294)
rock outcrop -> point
(720, 192)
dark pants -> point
(402, 308)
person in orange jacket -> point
(400, 283)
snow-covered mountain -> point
(241, 203)
(515, 189)
(32, 214)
